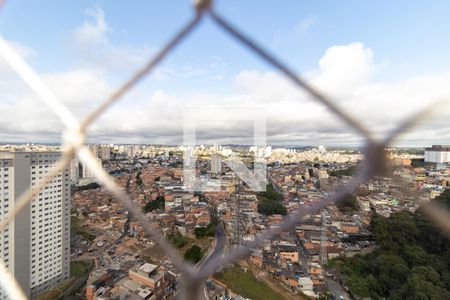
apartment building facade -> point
(439, 154)
(35, 247)
(216, 164)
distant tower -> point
(323, 241)
(321, 149)
(268, 151)
(74, 171)
(238, 212)
(105, 152)
(94, 150)
(189, 159)
(130, 150)
(216, 164)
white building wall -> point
(50, 234)
(105, 152)
(439, 157)
(6, 205)
(216, 164)
(39, 237)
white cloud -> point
(26, 118)
(343, 67)
(93, 32)
(78, 87)
(344, 72)
(305, 24)
(92, 43)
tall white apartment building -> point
(216, 164)
(131, 151)
(35, 247)
(439, 154)
(74, 170)
(105, 152)
(80, 173)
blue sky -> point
(403, 33)
(405, 40)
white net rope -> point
(374, 162)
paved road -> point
(221, 240)
(336, 289)
(127, 223)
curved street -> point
(219, 246)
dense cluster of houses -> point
(298, 256)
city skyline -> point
(214, 149)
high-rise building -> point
(80, 173)
(268, 151)
(439, 154)
(131, 151)
(216, 164)
(105, 152)
(94, 150)
(74, 170)
(35, 247)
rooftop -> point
(439, 148)
(148, 268)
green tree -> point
(138, 178)
(270, 207)
(348, 204)
(178, 240)
(415, 255)
(350, 171)
(203, 231)
(158, 203)
(270, 202)
(392, 271)
(424, 283)
(325, 296)
(411, 261)
(417, 162)
(359, 286)
(193, 254)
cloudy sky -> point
(381, 61)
